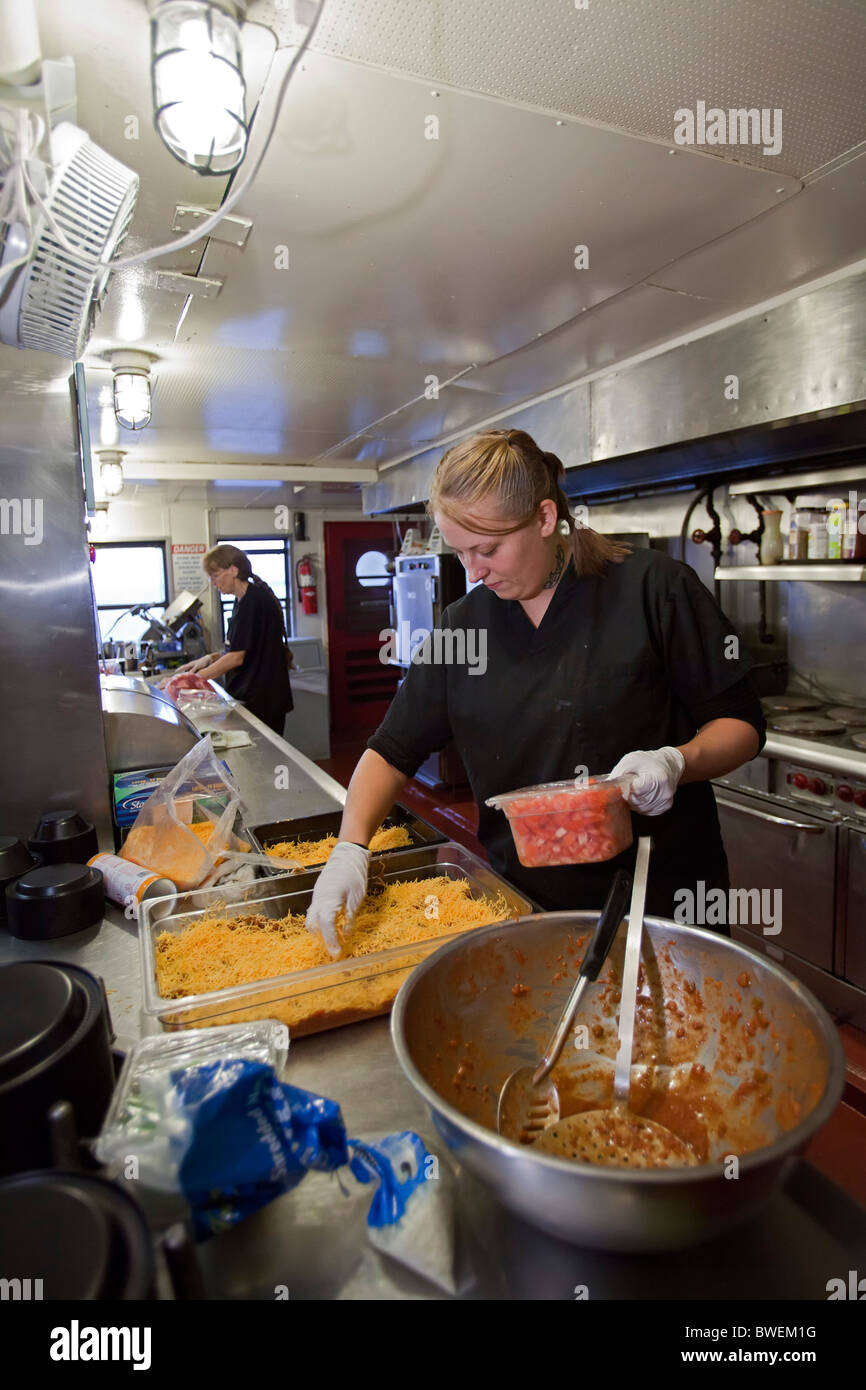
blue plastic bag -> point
(411, 1216)
(249, 1138)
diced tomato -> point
(586, 826)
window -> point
(371, 569)
(125, 575)
(271, 559)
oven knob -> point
(844, 792)
(860, 799)
(816, 785)
(800, 780)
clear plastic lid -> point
(575, 787)
(137, 1111)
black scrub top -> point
(639, 657)
(262, 682)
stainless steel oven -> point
(853, 877)
(772, 844)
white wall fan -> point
(65, 205)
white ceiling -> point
(454, 257)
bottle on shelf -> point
(771, 541)
(798, 537)
(837, 516)
(817, 534)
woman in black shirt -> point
(594, 657)
(254, 669)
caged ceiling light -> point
(132, 397)
(198, 86)
(111, 472)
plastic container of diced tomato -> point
(568, 822)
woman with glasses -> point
(255, 666)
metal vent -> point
(631, 64)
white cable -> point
(16, 151)
(73, 248)
(14, 265)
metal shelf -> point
(840, 571)
(801, 482)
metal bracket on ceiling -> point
(231, 228)
(199, 286)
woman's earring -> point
(563, 527)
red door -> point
(359, 608)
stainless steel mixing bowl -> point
(493, 996)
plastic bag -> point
(224, 1133)
(250, 1138)
(230, 1137)
(411, 1216)
(231, 861)
(142, 1116)
(198, 793)
(198, 703)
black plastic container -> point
(55, 1044)
(63, 837)
(328, 823)
(83, 1236)
(15, 860)
(55, 900)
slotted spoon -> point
(616, 1136)
(528, 1100)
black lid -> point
(82, 1235)
(60, 825)
(40, 1008)
(64, 837)
(54, 881)
(55, 900)
(15, 858)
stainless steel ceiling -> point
(631, 63)
(412, 257)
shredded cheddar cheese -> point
(310, 852)
(216, 952)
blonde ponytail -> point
(508, 467)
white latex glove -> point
(655, 778)
(342, 883)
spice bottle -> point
(817, 535)
(837, 515)
(771, 540)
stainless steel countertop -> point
(276, 781)
(313, 1240)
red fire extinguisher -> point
(306, 585)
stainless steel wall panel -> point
(402, 486)
(801, 358)
(804, 356)
(52, 752)
(828, 636)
